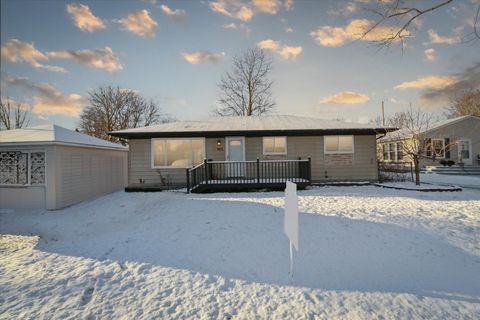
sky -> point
(175, 52)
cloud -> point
(47, 100)
(433, 82)
(139, 23)
(15, 51)
(289, 29)
(337, 36)
(345, 97)
(267, 6)
(83, 17)
(237, 26)
(281, 49)
(465, 81)
(437, 39)
(104, 59)
(202, 56)
(177, 14)
(430, 54)
(245, 11)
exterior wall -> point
(26, 197)
(465, 129)
(361, 165)
(86, 173)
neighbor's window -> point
(338, 144)
(274, 145)
(179, 153)
(438, 146)
(22, 168)
(399, 151)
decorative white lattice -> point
(13, 167)
(37, 168)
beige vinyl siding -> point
(362, 165)
(31, 197)
(86, 173)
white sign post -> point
(291, 219)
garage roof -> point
(53, 134)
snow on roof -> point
(253, 123)
(405, 133)
(53, 134)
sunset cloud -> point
(178, 14)
(47, 100)
(437, 39)
(83, 17)
(346, 97)
(139, 23)
(329, 36)
(237, 26)
(202, 56)
(433, 82)
(430, 54)
(282, 50)
(245, 11)
(15, 51)
(104, 59)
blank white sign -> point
(291, 213)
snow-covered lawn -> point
(365, 252)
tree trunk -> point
(417, 170)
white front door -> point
(465, 151)
(235, 152)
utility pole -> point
(383, 115)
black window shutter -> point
(447, 148)
(428, 144)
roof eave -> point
(249, 133)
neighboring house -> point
(456, 139)
(338, 151)
(52, 167)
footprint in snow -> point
(87, 295)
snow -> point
(51, 133)
(464, 181)
(254, 123)
(365, 252)
(408, 185)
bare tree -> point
(13, 117)
(403, 13)
(247, 90)
(466, 104)
(112, 108)
(414, 124)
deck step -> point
(453, 170)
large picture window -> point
(274, 145)
(438, 146)
(338, 144)
(179, 153)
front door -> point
(465, 152)
(235, 154)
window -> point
(338, 144)
(399, 151)
(274, 145)
(392, 150)
(438, 147)
(180, 153)
(385, 151)
(22, 168)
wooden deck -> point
(230, 176)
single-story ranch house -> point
(52, 167)
(263, 151)
(456, 139)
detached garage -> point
(51, 167)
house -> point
(456, 139)
(51, 167)
(260, 151)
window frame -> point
(442, 156)
(152, 154)
(265, 153)
(338, 151)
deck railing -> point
(258, 172)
